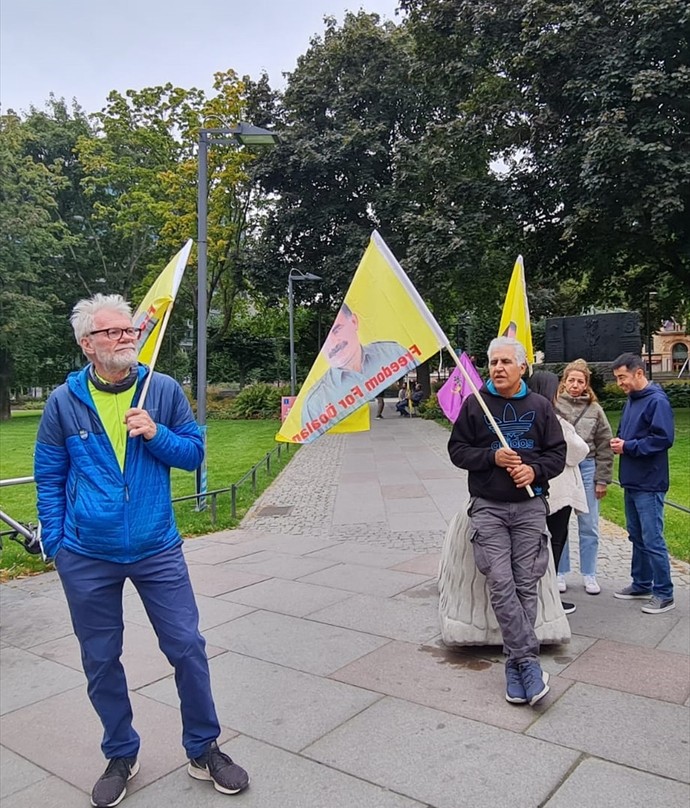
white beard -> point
(116, 362)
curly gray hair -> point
(87, 308)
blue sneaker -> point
(515, 690)
(534, 680)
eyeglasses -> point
(115, 334)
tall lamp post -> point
(246, 135)
(650, 295)
(295, 275)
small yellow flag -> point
(515, 318)
(149, 316)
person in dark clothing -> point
(416, 397)
(645, 434)
(509, 526)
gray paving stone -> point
(34, 620)
(9, 595)
(279, 779)
(678, 638)
(406, 491)
(279, 705)
(46, 585)
(286, 597)
(16, 773)
(215, 580)
(280, 565)
(613, 786)
(353, 553)
(385, 617)
(609, 619)
(357, 503)
(446, 680)
(443, 760)
(646, 734)
(218, 552)
(300, 644)
(28, 678)
(50, 793)
(556, 658)
(365, 580)
(649, 672)
(417, 521)
(426, 564)
(404, 506)
(64, 738)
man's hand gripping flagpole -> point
(482, 403)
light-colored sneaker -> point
(591, 585)
(658, 605)
(560, 579)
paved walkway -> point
(329, 676)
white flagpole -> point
(443, 339)
(154, 357)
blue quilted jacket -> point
(85, 502)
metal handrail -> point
(212, 495)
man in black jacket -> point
(509, 526)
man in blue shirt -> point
(645, 434)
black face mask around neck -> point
(114, 387)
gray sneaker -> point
(658, 605)
(630, 593)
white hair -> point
(509, 342)
(86, 309)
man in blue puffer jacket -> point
(102, 469)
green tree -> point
(348, 104)
(585, 103)
(33, 241)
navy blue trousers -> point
(94, 594)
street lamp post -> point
(650, 294)
(295, 275)
(246, 135)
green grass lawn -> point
(677, 523)
(233, 448)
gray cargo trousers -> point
(511, 549)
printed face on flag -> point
(342, 347)
(382, 331)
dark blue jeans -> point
(650, 567)
(94, 594)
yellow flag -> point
(382, 331)
(151, 312)
(515, 318)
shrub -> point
(257, 401)
(678, 394)
(430, 409)
(612, 397)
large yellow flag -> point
(152, 309)
(382, 331)
(515, 318)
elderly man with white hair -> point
(509, 526)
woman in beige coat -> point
(578, 404)
(567, 491)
